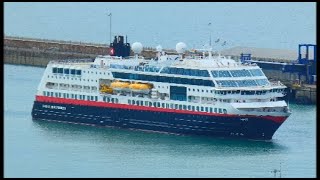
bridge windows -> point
(237, 73)
(222, 73)
(227, 83)
(240, 73)
(262, 82)
(242, 83)
(256, 72)
(246, 83)
(187, 72)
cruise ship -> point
(195, 94)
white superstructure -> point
(207, 83)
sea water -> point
(49, 149)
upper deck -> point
(225, 72)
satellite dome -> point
(136, 47)
(159, 48)
(181, 47)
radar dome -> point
(159, 48)
(181, 47)
(136, 47)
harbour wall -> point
(38, 52)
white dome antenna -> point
(181, 47)
(137, 48)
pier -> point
(286, 66)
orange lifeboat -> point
(105, 89)
(140, 87)
(118, 85)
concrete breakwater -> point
(38, 52)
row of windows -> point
(260, 92)
(66, 86)
(146, 68)
(71, 96)
(112, 100)
(74, 78)
(177, 80)
(182, 71)
(96, 72)
(66, 71)
(177, 106)
(198, 90)
(138, 103)
(237, 73)
(243, 83)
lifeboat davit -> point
(140, 87)
(118, 85)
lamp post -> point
(210, 33)
(110, 15)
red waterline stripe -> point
(278, 119)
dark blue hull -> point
(178, 123)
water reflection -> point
(191, 145)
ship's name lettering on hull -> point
(54, 107)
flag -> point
(217, 40)
(109, 14)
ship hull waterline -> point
(156, 119)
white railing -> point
(278, 83)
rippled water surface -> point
(48, 149)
